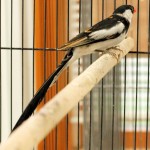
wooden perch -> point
(32, 131)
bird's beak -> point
(134, 10)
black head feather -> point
(123, 8)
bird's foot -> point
(108, 51)
(117, 57)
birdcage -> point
(115, 114)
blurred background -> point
(115, 114)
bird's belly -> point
(106, 44)
(88, 49)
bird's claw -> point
(112, 54)
(117, 57)
(107, 51)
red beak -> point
(134, 10)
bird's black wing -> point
(108, 28)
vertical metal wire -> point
(44, 49)
(33, 43)
(0, 80)
(148, 81)
(78, 135)
(79, 63)
(56, 129)
(102, 92)
(113, 109)
(91, 93)
(22, 51)
(124, 100)
(137, 64)
(67, 119)
(11, 30)
(124, 103)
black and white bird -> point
(101, 36)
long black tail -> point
(42, 91)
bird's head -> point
(125, 11)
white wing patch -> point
(107, 32)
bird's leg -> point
(99, 50)
(113, 54)
(115, 48)
(106, 52)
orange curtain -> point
(50, 19)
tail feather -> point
(42, 91)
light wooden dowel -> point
(32, 131)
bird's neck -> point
(122, 19)
(127, 16)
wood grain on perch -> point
(32, 131)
